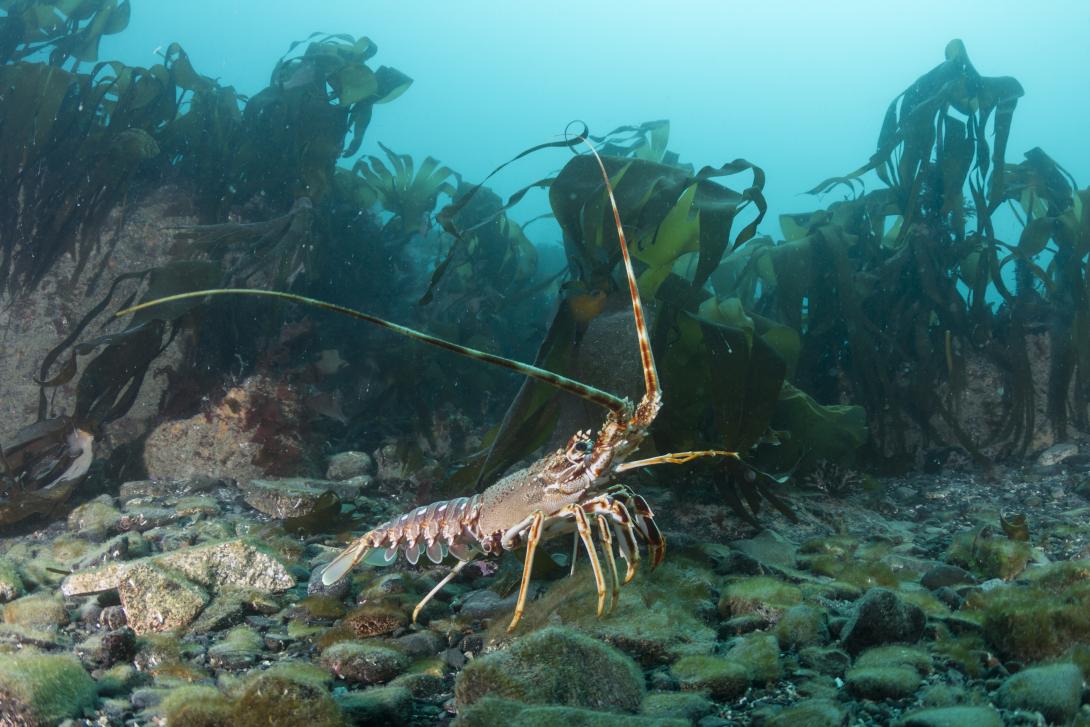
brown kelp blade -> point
(614, 403)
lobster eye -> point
(583, 445)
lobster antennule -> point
(585, 391)
(650, 374)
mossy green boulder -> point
(989, 557)
(953, 717)
(286, 695)
(378, 706)
(759, 594)
(494, 712)
(759, 654)
(802, 626)
(809, 713)
(882, 682)
(1054, 690)
(677, 705)
(38, 610)
(43, 689)
(555, 666)
(722, 678)
(196, 706)
(11, 585)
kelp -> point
(69, 30)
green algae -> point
(762, 594)
(722, 678)
(196, 706)
(43, 688)
(989, 557)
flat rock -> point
(284, 498)
(230, 563)
(155, 599)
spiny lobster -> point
(562, 492)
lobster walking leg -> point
(622, 520)
(588, 543)
(438, 587)
(532, 539)
(607, 548)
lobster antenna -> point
(609, 401)
(650, 373)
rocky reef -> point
(191, 602)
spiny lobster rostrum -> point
(572, 489)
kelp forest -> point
(924, 311)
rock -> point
(199, 706)
(228, 563)
(953, 717)
(118, 679)
(946, 575)
(346, 465)
(484, 604)
(378, 706)
(42, 689)
(554, 666)
(158, 600)
(11, 585)
(286, 695)
(424, 686)
(374, 619)
(761, 594)
(1054, 690)
(882, 682)
(37, 610)
(102, 651)
(492, 712)
(1037, 621)
(679, 705)
(421, 644)
(802, 626)
(359, 662)
(1057, 453)
(770, 549)
(722, 678)
(282, 498)
(759, 654)
(882, 617)
(95, 520)
(907, 656)
(227, 608)
(809, 713)
(238, 650)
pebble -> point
(359, 662)
(882, 617)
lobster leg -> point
(438, 587)
(623, 522)
(532, 539)
(588, 543)
(607, 547)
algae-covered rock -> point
(1033, 622)
(11, 585)
(196, 706)
(42, 689)
(378, 706)
(759, 654)
(37, 610)
(882, 617)
(346, 465)
(990, 557)
(809, 713)
(802, 626)
(1054, 690)
(286, 695)
(493, 712)
(882, 682)
(690, 706)
(909, 656)
(555, 666)
(722, 678)
(953, 717)
(374, 619)
(657, 620)
(238, 649)
(830, 661)
(283, 498)
(760, 594)
(363, 663)
(94, 520)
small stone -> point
(374, 619)
(41, 689)
(946, 575)
(380, 706)
(11, 585)
(882, 617)
(953, 717)
(358, 662)
(1057, 453)
(238, 650)
(883, 682)
(722, 678)
(809, 713)
(157, 600)
(1054, 690)
(102, 651)
(95, 520)
(37, 610)
(683, 705)
(292, 497)
(346, 465)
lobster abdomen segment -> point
(434, 530)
